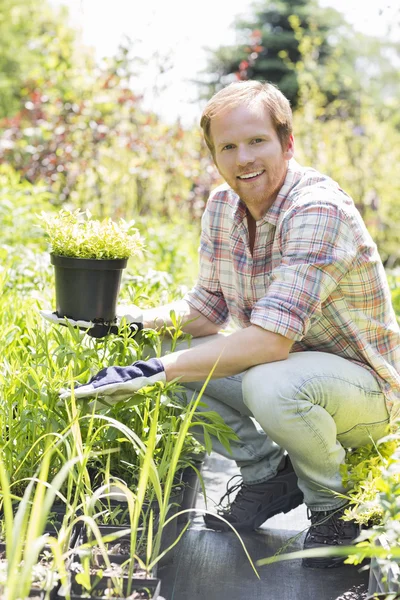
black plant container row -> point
(138, 588)
(141, 588)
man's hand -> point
(131, 315)
(119, 383)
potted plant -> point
(105, 562)
(89, 256)
(114, 515)
(132, 490)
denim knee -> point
(257, 396)
(272, 396)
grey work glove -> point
(132, 315)
(119, 383)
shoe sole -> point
(282, 505)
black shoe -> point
(256, 503)
(329, 529)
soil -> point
(116, 570)
(115, 548)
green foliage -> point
(358, 148)
(38, 360)
(396, 302)
(382, 541)
(24, 533)
(394, 284)
(17, 198)
(362, 475)
(77, 235)
(33, 39)
(142, 443)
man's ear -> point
(289, 152)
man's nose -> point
(244, 155)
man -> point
(315, 359)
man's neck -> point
(259, 211)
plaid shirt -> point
(315, 275)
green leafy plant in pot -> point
(88, 257)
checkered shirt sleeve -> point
(318, 249)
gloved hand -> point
(118, 383)
(131, 314)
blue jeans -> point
(312, 405)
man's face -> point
(249, 156)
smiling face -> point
(249, 155)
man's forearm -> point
(230, 355)
(192, 321)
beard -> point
(262, 193)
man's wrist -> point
(169, 363)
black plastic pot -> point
(191, 485)
(55, 518)
(34, 593)
(190, 478)
(119, 555)
(37, 593)
(87, 288)
(42, 594)
(55, 521)
(169, 532)
(53, 525)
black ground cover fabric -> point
(210, 565)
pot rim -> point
(74, 262)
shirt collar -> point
(239, 209)
(293, 175)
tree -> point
(268, 48)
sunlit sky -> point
(180, 30)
